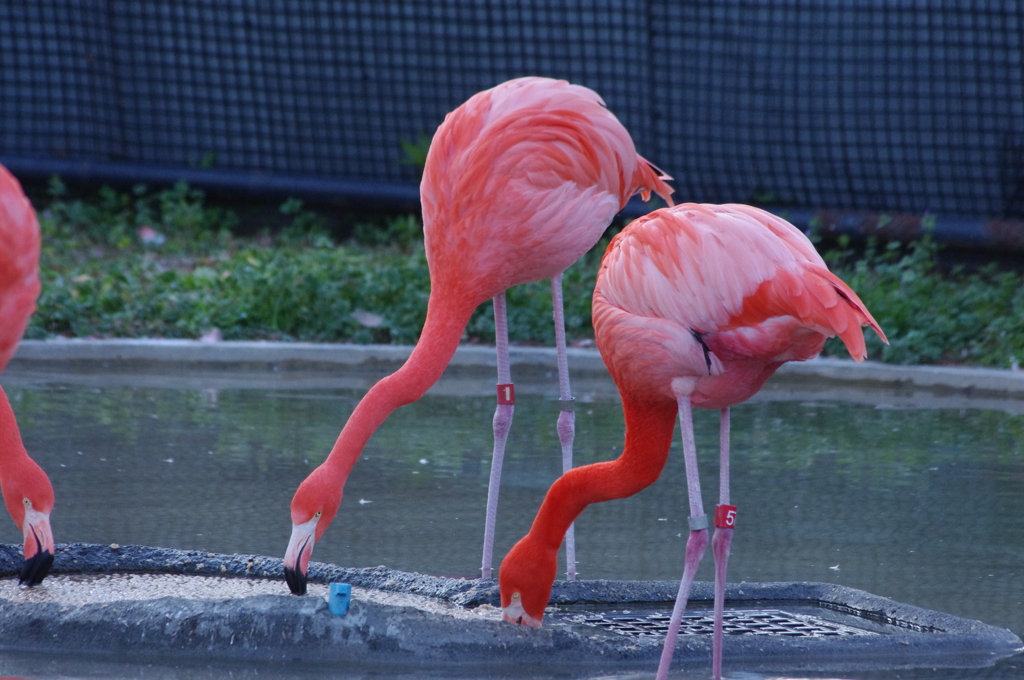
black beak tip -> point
(36, 568)
(296, 581)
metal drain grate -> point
(735, 622)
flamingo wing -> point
(694, 283)
(523, 179)
(19, 263)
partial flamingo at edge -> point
(26, 489)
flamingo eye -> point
(27, 502)
(516, 596)
(318, 513)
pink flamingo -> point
(695, 305)
(26, 489)
(520, 181)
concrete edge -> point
(297, 355)
(283, 627)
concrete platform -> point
(157, 354)
(238, 607)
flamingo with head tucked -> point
(26, 489)
(520, 181)
(695, 305)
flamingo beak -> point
(296, 558)
(39, 548)
(514, 613)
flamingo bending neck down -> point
(520, 181)
(695, 305)
(26, 489)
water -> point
(910, 495)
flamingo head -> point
(525, 578)
(313, 508)
(29, 499)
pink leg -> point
(567, 417)
(697, 541)
(502, 424)
(725, 518)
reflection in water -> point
(920, 505)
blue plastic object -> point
(338, 598)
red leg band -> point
(725, 516)
(506, 394)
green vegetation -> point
(930, 316)
(165, 264)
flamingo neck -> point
(649, 428)
(12, 450)
(441, 334)
(14, 459)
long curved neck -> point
(13, 457)
(649, 429)
(440, 338)
(12, 450)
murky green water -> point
(923, 505)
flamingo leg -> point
(566, 417)
(502, 425)
(725, 518)
(698, 539)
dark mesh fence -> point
(887, 105)
(908, 106)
